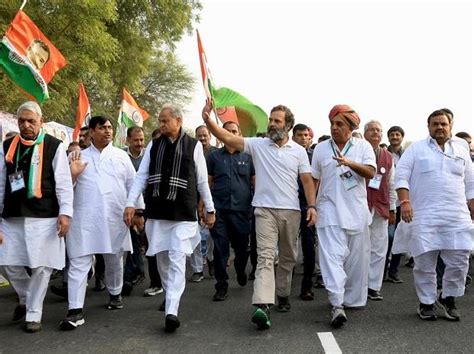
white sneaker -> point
(338, 317)
(152, 291)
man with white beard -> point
(278, 162)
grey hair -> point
(30, 106)
(372, 121)
(174, 110)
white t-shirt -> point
(276, 172)
(335, 205)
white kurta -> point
(34, 242)
(335, 205)
(439, 184)
(166, 235)
(100, 196)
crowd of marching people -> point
(352, 205)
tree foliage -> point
(109, 44)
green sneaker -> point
(261, 317)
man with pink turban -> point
(339, 167)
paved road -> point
(387, 326)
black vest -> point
(17, 204)
(184, 208)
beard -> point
(277, 134)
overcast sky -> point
(394, 62)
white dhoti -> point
(77, 277)
(378, 231)
(171, 241)
(454, 278)
(32, 242)
(172, 268)
(344, 260)
(31, 290)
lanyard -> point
(344, 151)
(439, 151)
(18, 157)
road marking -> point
(329, 343)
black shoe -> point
(59, 290)
(283, 304)
(220, 295)
(138, 279)
(448, 306)
(210, 268)
(171, 323)
(127, 288)
(19, 312)
(338, 317)
(74, 319)
(162, 306)
(394, 278)
(319, 283)
(99, 285)
(115, 302)
(427, 312)
(32, 327)
(374, 295)
(410, 263)
(307, 295)
(252, 274)
(468, 280)
(242, 279)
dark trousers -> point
(99, 267)
(308, 244)
(155, 280)
(253, 245)
(393, 264)
(231, 228)
(134, 262)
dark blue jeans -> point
(308, 244)
(392, 265)
(134, 261)
(232, 228)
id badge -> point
(375, 182)
(348, 180)
(16, 181)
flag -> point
(83, 113)
(231, 105)
(28, 58)
(205, 72)
(130, 115)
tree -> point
(109, 45)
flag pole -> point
(23, 5)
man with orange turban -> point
(339, 167)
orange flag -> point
(83, 114)
(28, 58)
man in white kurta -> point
(100, 195)
(172, 170)
(434, 179)
(340, 166)
(381, 198)
(33, 226)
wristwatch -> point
(211, 212)
(311, 207)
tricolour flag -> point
(130, 115)
(28, 58)
(229, 104)
(83, 113)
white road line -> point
(329, 343)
